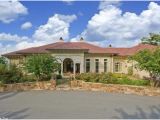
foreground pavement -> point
(77, 104)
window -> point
(105, 65)
(117, 67)
(87, 65)
(96, 65)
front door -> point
(77, 67)
(68, 66)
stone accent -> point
(43, 85)
(116, 88)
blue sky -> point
(122, 24)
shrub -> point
(28, 78)
(110, 78)
(10, 75)
(58, 76)
(95, 77)
(41, 65)
(3, 60)
(130, 70)
(134, 82)
(107, 78)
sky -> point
(26, 24)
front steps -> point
(63, 84)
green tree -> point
(153, 39)
(3, 60)
(41, 65)
(149, 61)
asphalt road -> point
(77, 105)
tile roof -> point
(132, 50)
(90, 48)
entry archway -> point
(68, 65)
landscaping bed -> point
(116, 88)
(42, 85)
(113, 82)
(111, 78)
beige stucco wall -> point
(16, 61)
(101, 62)
(126, 64)
(81, 58)
(139, 73)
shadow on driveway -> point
(7, 95)
(20, 114)
(154, 113)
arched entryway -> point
(68, 66)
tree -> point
(153, 39)
(149, 61)
(41, 65)
(3, 60)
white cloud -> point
(68, 2)
(105, 4)
(9, 42)
(26, 25)
(111, 26)
(56, 27)
(14, 38)
(10, 10)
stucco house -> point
(80, 57)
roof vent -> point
(81, 39)
(61, 39)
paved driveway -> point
(77, 104)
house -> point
(80, 57)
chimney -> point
(110, 46)
(61, 39)
(81, 39)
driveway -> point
(77, 104)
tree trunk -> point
(37, 82)
(151, 79)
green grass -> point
(133, 82)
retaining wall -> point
(116, 88)
(44, 85)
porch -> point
(70, 67)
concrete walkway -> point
(77, 104)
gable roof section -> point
(81, 46)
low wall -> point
(44, 85)
(116, 88)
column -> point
(74, 69)
(62, 68)
(112, 64)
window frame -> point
(88, 65)
(105, 65)
(117, 67)
(97, 65)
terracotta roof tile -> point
(132, 50)
(82, 46)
